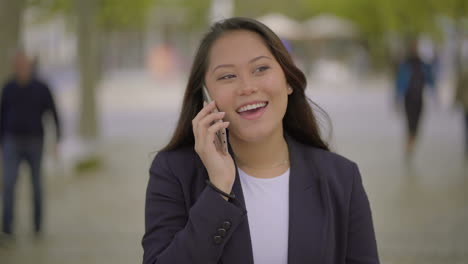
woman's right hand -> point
(220, 165)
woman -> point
(279, 195)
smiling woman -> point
(279, 195)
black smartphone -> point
(221, 136)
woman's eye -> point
(227, 77)
(262, 69)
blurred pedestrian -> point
(24, 102)
(413, 75)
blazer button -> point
(226, 225)
(217, 240)
(222, 232)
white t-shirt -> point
(267, 204)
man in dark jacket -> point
(24, 102)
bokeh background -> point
(118, 69)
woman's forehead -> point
(237, 47)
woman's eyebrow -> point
(222, 66)
(259, 57)
(232, 65)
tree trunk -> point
(11, 14)
(88, 65)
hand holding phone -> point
(211, 145)
(221, 136)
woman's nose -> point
(247, 87)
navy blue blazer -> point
(186, 221)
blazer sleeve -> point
(3, 107)
(51, 106)
(174, 234)
(361, 246)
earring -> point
(289, 88)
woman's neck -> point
(269, 153)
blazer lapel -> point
(307, 213)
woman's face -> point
(247, 83)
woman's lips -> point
(253, 114)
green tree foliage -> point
(374, 18)
(188, 14)
(111, 14)
(124, 13)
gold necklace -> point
(243, 164)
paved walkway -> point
(420, 210)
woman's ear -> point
(290, 90)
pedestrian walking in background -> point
(413, 75)
(24, 102)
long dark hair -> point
(299, 121)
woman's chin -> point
(251, 136)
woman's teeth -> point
(251, 107)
